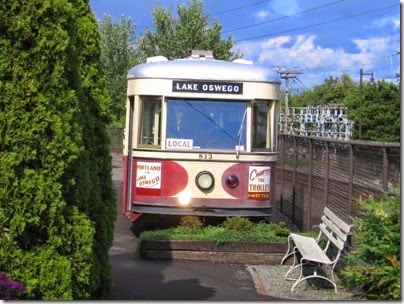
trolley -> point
(200, 138)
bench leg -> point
(314, 275)
(294, 266)
(288, 253)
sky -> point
(318, 38)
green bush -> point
(57, 201)
(374, 266)
(190, 222)
(238, 224)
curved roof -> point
(203, 68)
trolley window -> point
(206, 124)
(260, 125)
(150, 122)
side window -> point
(260, 126)
(150, 122)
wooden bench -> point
(324, 251)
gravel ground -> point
(270, 281)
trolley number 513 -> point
(205, 156)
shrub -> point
(57, 200)
(191, 222)
(374, 266)
(280, 229)
(238, 224)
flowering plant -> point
(9, 289)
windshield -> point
(205, 124)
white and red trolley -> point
(200, 138)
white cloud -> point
(373, 45)
(319, 62)
(386, 21)
(262, 13)
(298, 51)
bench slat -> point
(309, 249)
(341, 224)
(341, 235)
(337, 242)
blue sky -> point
(322, 37)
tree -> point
(380, 105)
(332, 91)
(380, 111)
(172, 37)
(118, 55)
(57, 203)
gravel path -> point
(270, 281)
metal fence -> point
(316, 172)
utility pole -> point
(398, 74)
(287, 74)
(360, 97)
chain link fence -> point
(316, 172)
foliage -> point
(374, 266)
(118, 55)
(380, 111)
(57, 201)
(237, 223)
(332, 91)
(259, 232)
(190, 222)
(9, 289)
(380, 106)
(172, 37)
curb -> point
(252, 253)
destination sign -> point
(208, 87)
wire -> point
(223, 12)
(238, 8)
(283, 17)
(345, 66)
(317, 24)
(302, 84)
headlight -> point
(205, 180)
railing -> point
(316, 172)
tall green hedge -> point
(57, 201)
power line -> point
(238, 8)
(283, 17)
(225, 11)
(348, 65)
(317, 24)
(303, 85)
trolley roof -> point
(203, 68)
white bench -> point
(308, 251)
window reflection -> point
(260, 125)
(208, 123)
